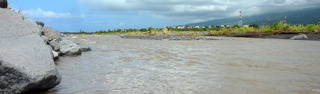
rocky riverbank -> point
(263, 36)
(167, 37)
(27, 53)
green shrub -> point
(221, 31)
(298, 28)
(244, 30)
(311, 27)
(165, 30)
(281, 26)
(265, 29)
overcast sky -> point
(92, 15)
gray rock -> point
(86, 49)
(55, 55)
(300, 37)
(63, 35)
(3, 4)
(26, 63)
(69, 48)
(46, 39)
(172, 37)
(40, 23)
(55, 45)
(33, 26)
(51, 33)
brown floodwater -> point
(226, 66)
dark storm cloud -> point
(279, 1)
(198, 9)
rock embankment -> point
(26, 62)
(27, 53)
(59, 45)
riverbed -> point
(224, 66)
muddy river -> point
(226, 66)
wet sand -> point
(226, 66)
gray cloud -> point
(279, 1)
(197, 10)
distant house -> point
(181, 27)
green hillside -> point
(305, 16)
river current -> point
(226, 66)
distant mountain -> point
(304, 16)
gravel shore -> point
(167, 37)
(314, 37)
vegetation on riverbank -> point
(277, 28)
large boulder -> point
(33, 26)
(26, 62)
(69, 48)
(300, 37)
(46, 39)
(51, 33)
(3, 4)
(55, 45)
